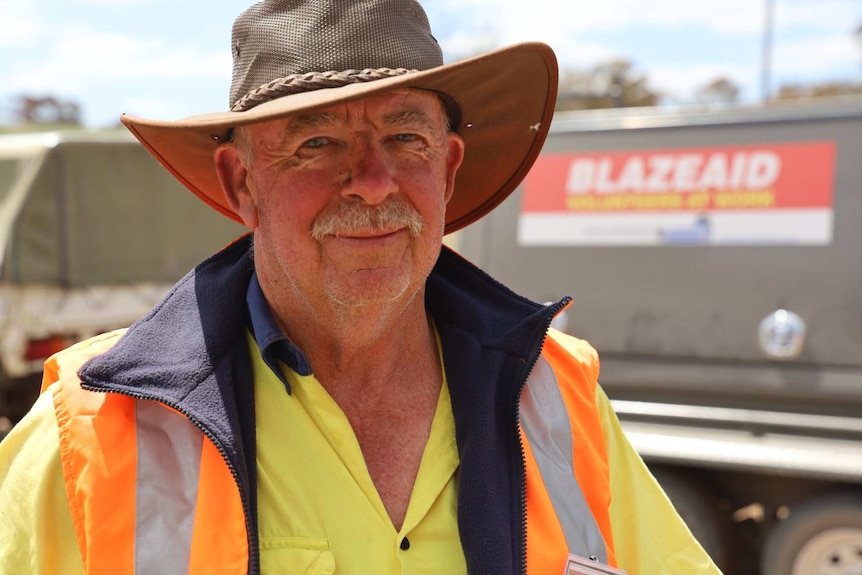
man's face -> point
(348, 203)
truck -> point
(93, 233)
(714, 260)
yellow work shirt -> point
(318, 510)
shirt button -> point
(405, 544)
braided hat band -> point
(297, 83)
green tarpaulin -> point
(81, 211)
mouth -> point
(369, 234)
(374, 240)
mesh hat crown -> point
(295, 56)
(282, 47)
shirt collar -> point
(274, 345)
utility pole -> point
(766, 61)
(858, 35)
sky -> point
(167, 59)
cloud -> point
(23, 24)
(806, 60)
(111, 3)
(838, 16)
(106, 68)
(515, 19)
(150, 107)
(572, 51)
(109, 73)
(817, 56)
(82, 57)
(812, 38)
(679, 84)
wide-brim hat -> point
(297, 56)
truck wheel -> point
(821, 536)
(709, 524)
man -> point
(342, 397)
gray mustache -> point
(352, 218)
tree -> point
(612, 84)
(47, 110)
(824, 90)
(720, 90)
(828, 89)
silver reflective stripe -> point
(169, 457)
(549, 432)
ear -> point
(233, 176)
(453, 162)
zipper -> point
(556, 308)
(253, 567)
(523, 482)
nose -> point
(370, 176)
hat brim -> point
(506, 98)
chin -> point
(371, 294)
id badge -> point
(579, 566)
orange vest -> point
(150, 492)
(568, 483)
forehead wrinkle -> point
(310, 120)
(402, 117)
(286, 127)
(412, 115)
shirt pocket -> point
(296, 555)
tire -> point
(822, 536)
(698, 507)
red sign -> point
(759, 176)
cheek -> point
(291, 204)
(431, 197)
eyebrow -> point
(317, 119)
(311, 120)
(321, 119)
(409, 117)
(304, 122)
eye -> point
(410, 138)
(318, 142)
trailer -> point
(93, 233)
(714, 258)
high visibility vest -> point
(150, 492)
(568, 491)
